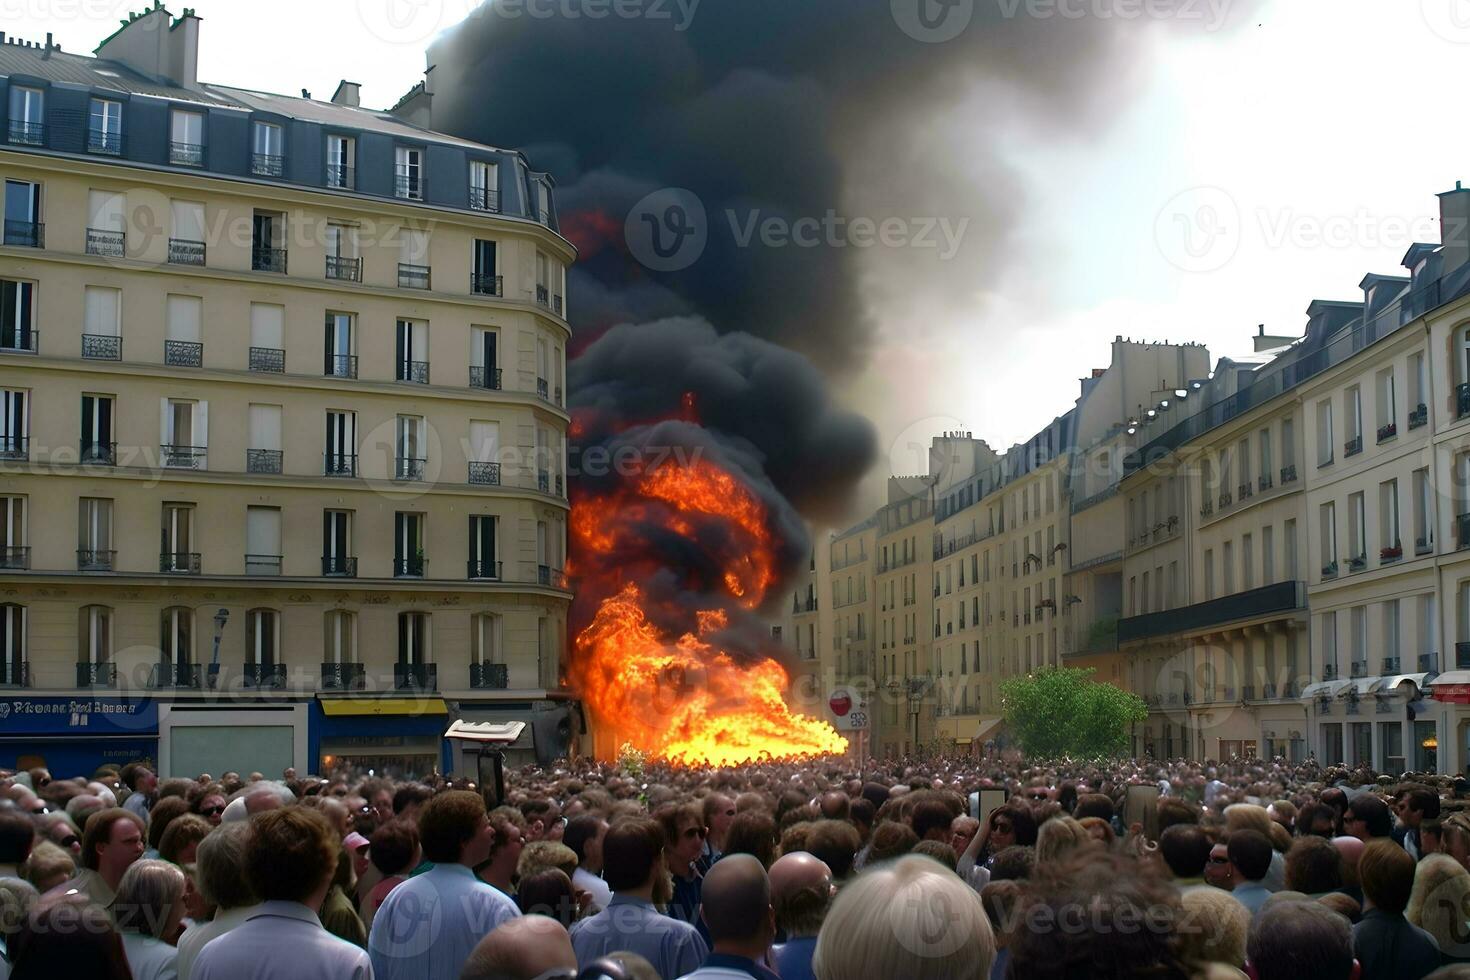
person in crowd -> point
(180, 842)
(737, 912)
(835, 843)
(1250, 854)
(549, 892)
(891, 839)
(719, 811)
(684, 830)
(962, 830)
(1440, 903)
(427, 926)
(220, 868)
(17, 898)
(499, 869)
(409, 798)
(1212, 929)
(635, 868)
(1313, 866)
(394, 852)
(142, 784)
(164, 813)
(1367, 818)
(1317, 820)
(930, 819)
(1350, 851)
(149, 907)
(211, 804)
(112, 841)
(584, 834)
(905, 919)
(67, 935)
(1302, 939)
(59, 830)
(753, 832)
(338, 914)
(1387, 945)
(1185, 850)
(1057, 838)
(527, 948)
(1413, 807)
(48, 867)
(290, 858)
(802, 888)
(17, 834)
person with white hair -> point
(220, 864)
(149, 907)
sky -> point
(1256, 156)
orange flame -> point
(682, 698)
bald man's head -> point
(521, 948)
(801, 892)
(736, 901)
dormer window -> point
(341, 159)
(186, 139)
(484, 186)
(268, 155)
(408, 173)
(104, 127)
(27, 116)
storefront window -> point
(1426, 747)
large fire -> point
(681, 697)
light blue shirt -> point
(635, 926)
(280, 941)
(427, 927)
(1252, 895)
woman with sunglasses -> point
(1007, 826)
(684, 833)
(211, 804)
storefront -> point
(74, 736)
(401, 738)
(200, 738)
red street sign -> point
(841, 703)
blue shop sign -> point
(81, 716)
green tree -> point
(1061, 711)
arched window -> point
(15, 668)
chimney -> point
(1454, 228)
(153, 46)
(348, 94)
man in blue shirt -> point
(633, 867)
(801, 893)
(737, 910)
(426, 927)
(1250, 861)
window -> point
(411, 360)
(341, 444)
(1209, 573)
(484, 457)
(1391, 631)
(267, 239)
(27, 115)
(543, 293)
(1387, 404)
(413, 638)
(97, 443)
(484, 185)
(1357, 530)
(102, 323)
(182, 345)
(186, 244)
(267, 149)
(106, 231)
(1353, 410)
(1263, 448)
(94, 535)
(262, 639)
(341, 161)
(484, 280)
(1429, 629)
(1268, 555)
(263, 453)
(14, 664)
(104, 127)
(94, 636)
(23, 214)
(408, 176)
(177, 639)
(408, 544)
(14, 550)
(267, 337)
(340, 640)
(413, 259)
(1390, 547)
(410, 448)
(186, 138)
(184, 435)
(15, 423)
(1358, 619)
(341, 348)
(1423, 512)
(1228, 561)
(342, 258)
(1324, 432)
(17, 312)
(1247, 563)
(262, 540)
(485, 639)
(1243, 453)
(337, 557)
(1418, 390)
(543, 202)
(178, 553)
(1328, 527)
(483, 556)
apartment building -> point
(902, 578)
(283, 405)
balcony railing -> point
(1329, 570)
(484, 284)
(484, 474)
(413, 276)
(183, 457)
(1358, 668)
(556, 304)
(186, 154)
(1462, 531)
(26, 234)
(1390, 665)
(1245, 491)
(341, 676)
(27, 133)
(179, 562)
(265, 675)
(409, 567)
(560, 486)
(99, 454)
(14, 674)
(485, 377)
(339, 566)
(1226, 500)
(23, 339)
(1388, 431)
(113, 244)
(266, 259)
(95, 560)
(344, 267)
(14, 448)
(1462, 656)
(409, 467)
(262, 564)
(183, 353)
(339, 464)
(267, 164)
(185, 251)
(543, 481)
(543, 391)
(1353, 446)
(340, 366)
(1419, 416)
(1423, 545)
(263, 461)
(96, 675)
(491, 676)
(416, 372)
(98, 347)
(1288, 474)
(416, 677)
(268, 359)
(339, 175)
(174, 675)
(1329, 672)
(1263, 483)
(483, 569)
(101, 141)
(409, 186)
(484, 198)
(15, 557)
(1428, 663)
(1462, 400)
(1282, 597)
(1357, 563)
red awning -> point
(1452, 693)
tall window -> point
(1263, 448)
(337, 557)
(1209, 573)
(341, 161)
(178, 553)
(23, 213)
(186, 138)
(185, 433)
(484, 358)
(1418, 381)
(340, 637)
(411, 448)
(1289, 550)
(267, 337)
(15, 423)
(1387, 403)
(104, 126)
(413, 638)
(341, 349)
(408, 173)
(341, 444)
(1423, 512)
(1328, 624)
(483, 561)
(1325, 444)
(97, 443)
(1228, 576)
(408, 544)
(1357, 528)
(484, 186)
(1353, 410)
(27, 115)
(268, 153)
(14, 665)
(94, 635)
(177, 636)
(183, 335)
(483, 277)
(94, 534)
(411, 360)
(1268, 555)
(1328, 530)
(262, 540)
(1388, 519)
(14, 546)
(1391, 631)
(17, 315)
(262, 637)
(1247, 562)
(485, 639)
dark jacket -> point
(1389, 947)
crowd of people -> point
(789, 871)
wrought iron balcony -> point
(113, 244)
(416, 677)
(268, 359)
(339, 566)
(1390, 665)
(484, 198)
(267, 164)
(101, 141)
(179, 562)
(14, 674)
(1387, 431)
(186, 154)
(560, 486)
(1352, 706)
(1280, 597)
(409, 567)
(543, 296)
(542, 389)
(95, 560)
(263, 461)
(262, 564)
(1419, 416)
(15, 557)
(556, 304)
(1263, 483)
(339, 464)
(341, 676)
(266, 259)
(1353, 446)
(484, 474)
(1288, 474)
(98, 347)
(409, 186)
(340, 175)
(483, 569)
(96, 675)
(1329, 570)
(1462, 656)
(485, 377)
(1226, 500)
(1329, 672)
(99, 454)
(1245, 491)
(1462, 400)
(1357, 563)
(23, 339)
(543, 574)
(340, 366)
(183, 353)
(15, 448)
(27, 133)
(185, 251)
(1206, 509)
(344, 267)
(483, 284)
(26, 234)
(409, 468)
(416, 372)
(413, 276)
(490, 676)
(183, 457)
(265, 675)
(556, 395)
(1428, 663)
(167, 675)
(1358, 668)
(543, 482)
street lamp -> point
(220, 619)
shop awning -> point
(384, 706)
(1389, 685)
(985, 728)
(1322, 689)
(1451, 678)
